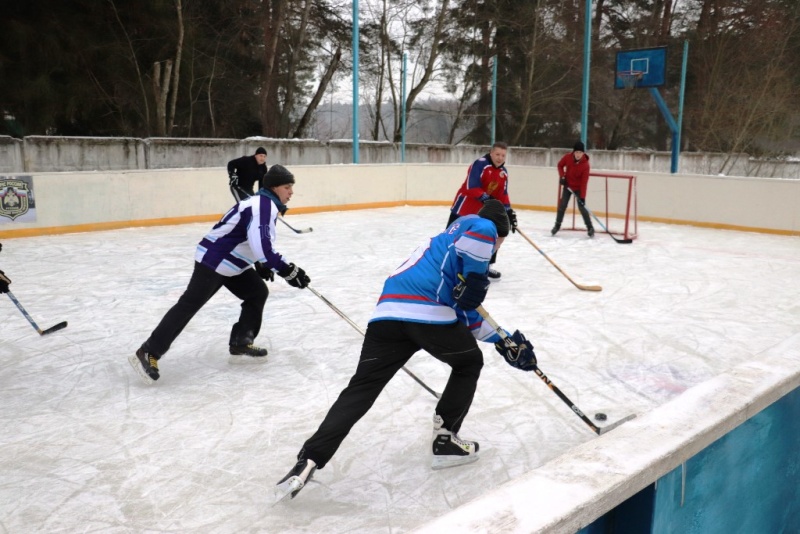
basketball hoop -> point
(629, 78)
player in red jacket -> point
(487, 178)
(573, 170)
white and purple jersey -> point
(244, 235)
(421, 289)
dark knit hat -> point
(277, 175)
(494, 210)
(261, 150)
(579, 147)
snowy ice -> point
(86, 446)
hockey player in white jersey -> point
(429, 304)
(238, 254)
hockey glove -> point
(520, 356)
(563, 180)
(512, 218)
(295, 276)
(264, 272)
(470, 291)
(4, 281)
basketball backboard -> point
(643, 67)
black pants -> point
(247, 286)
(452, 218)
(388, 345)
(562, 208)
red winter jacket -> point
(576, 172)
(484, 180)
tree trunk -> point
(271, 25)
(176, 73)
(300, 131)
(160, 93)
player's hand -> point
(295, 276)
(4, 281)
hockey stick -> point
(50, 330)
(510, 344)
(295, 230)
(341, 314)
(603, 226)
(579, 286)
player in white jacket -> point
(237, 254)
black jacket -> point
(248, 170)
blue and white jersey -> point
(421, 289)
(244, 235)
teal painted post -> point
(355, 81)
(587, 62)
(676, 149)
(494, 95)
(403, 112)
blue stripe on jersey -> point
(421, 289)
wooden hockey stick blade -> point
(582, 287)
(55, 328)
(614, 425)
(296, 230)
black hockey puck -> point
(600, 416)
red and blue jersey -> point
(483, 181)
(421, 289)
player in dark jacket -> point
(244, 172)
(573, 172)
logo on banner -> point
(14, 198)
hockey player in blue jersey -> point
(238, 254)
(429, 303)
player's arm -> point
(475, 188)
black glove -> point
(264, 272)
(296, 276)
(1, 247)
(563, 180)
(521, 356)
(470, 292)
(512, 218)
(233, 179)
(4, 281)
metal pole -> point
(494, 95)
(355, 81)
(403, 112)
(587, 62)
(676, 150)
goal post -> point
(612, 198)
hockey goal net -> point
(612, 199)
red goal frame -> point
(620, 210)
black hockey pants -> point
(562, 208)
(388, 345)
(247, 286)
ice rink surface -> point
(85, 446)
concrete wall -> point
(77, 201)
(59, 154)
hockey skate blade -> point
(137, 366)
(443, 462)
(288, 488)
(614, 425)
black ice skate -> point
(295, 480)
(145, 365)
(449, 450)
(247, 354)
(494, 274)
(555, 229)
(590, 231)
